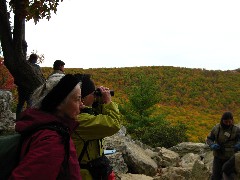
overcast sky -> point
(126, 33)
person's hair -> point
(88, 86)
(33, 58)
(57, 64)
(227, 115)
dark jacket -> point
(43, 152)
(226, 138)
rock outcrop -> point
(187, 160)
(7, 118)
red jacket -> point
(43, 152)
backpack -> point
(99, 168)
(10, 148)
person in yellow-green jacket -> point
(99, 118)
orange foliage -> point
(195, 97)
(6, 79)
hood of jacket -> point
(33, 118)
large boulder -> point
(200, 171)
(174, 173)
(168, 157)
(138, 161)
(7, 118)
(190, 147)
(188, 160)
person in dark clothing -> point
(33, 60)
(23, 94)
(223, 140)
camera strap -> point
(83, 151)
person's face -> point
(227, 122)
(62, 68)
(71, 106)
(89, 99)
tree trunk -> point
(14, 48)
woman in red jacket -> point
(46, 153)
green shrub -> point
(164, 135)
(140, 122)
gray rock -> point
(7, 118)
(138, 161)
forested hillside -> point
(196, 97)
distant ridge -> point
(197, 97)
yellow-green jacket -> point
(95, 128)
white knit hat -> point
(40, 93)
